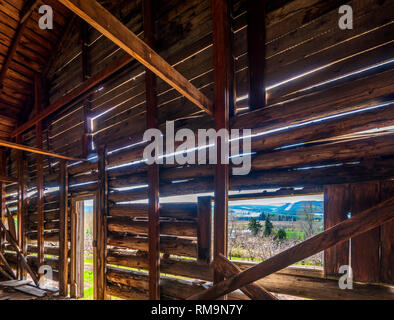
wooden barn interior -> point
(76, 99)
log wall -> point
(325, 89)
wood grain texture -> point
(387, 238)
(255, 290)
(63, 230)
(336, 208)
(98, 17)
(365, 248)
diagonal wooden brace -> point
(254, 291)
(361, 223)
(13, 242)
(8, 270)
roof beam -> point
(102, 20)
(16, 146)
(25, 14)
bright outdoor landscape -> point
(261, 229)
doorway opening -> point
(82, 250)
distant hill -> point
(283, 210)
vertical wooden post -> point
(40, 173)
(224, 99)
(3, 167)
(101, 242)
(204, 229)
(256, 52)
(387, 238)
(21, 205)
(153, 170)
(73, 250)
(87, 136)
(365, 247)
(63, 237)
(336, 208)
(77, 245)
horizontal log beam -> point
(329, 129)
(181, 229)
(296, 281)
(169, 210)
(369, 147)
(168, 245)
(8, 179)
(361, 223)
(354, 95)
(180, 267)
(102, 20)
(134, 285)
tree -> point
(281, 234)
(262, 216)
(307, 219)
(268, 226)
(254, 226)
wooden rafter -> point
(25, 14)
(102, 20)
(21, 147)
(359, 224)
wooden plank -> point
(179, 228)
(14, 283)
(101, 225)
(224, 102)
(356, 225)
(353, 95)
(336, 208)
(102, 20)
(351, 149)
(387, 238)
(75, 93)
(168, 244)
(28, 9)
(63, 230)
(365, 247)
(32, 291)
(204, 229)
(18, 146)
(256, 12)
(153, 170)
(255, 290)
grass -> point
(88, 293)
